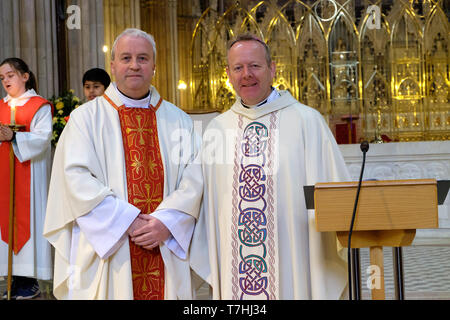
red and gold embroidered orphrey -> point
(145, 185)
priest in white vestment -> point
(90, 221)
(256, 158)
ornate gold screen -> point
(381, 65)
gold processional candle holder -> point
(15, 127)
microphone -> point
(364, 148)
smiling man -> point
(122, 209)
(250, 71)
(262, 240)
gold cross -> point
(148, 198)
(139, 130)
(145, 272)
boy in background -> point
(95, 82)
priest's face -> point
(133, 66)
(249, 72)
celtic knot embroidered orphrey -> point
(252, 222)
(255, 140)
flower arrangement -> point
(64, 105)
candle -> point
(13, 112)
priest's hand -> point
(135, 225)
(6, 133)
(150, 232)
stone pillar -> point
(28, 32)
(118, 15)
(173, 44)
(188, 13)
(85, 43)
(159, 18)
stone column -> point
(28, 32)
(118, 15)
(159, 18)
(85, 42)
(173, 44)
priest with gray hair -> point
(126, 188)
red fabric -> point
(22, 171)
(342, 133)
(145, 184)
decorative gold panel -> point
(380, 66)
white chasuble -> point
(88, 169)
(261, 238)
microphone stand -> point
(364, 148)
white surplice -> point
(89, 180)
(262, 239)
(34, 259)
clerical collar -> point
(133, 103)
(272, 96)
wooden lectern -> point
(388, 214)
